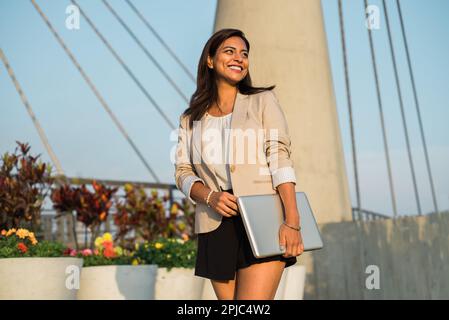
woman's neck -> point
(226, 96)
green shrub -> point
(167, 253)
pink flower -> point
(87, 252)
(73, 253)
(96, 252)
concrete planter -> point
(178, 284)
(118, 282)
(39, 278)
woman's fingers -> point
(293, 243)
(290, 248)
(282, 241)
(231, 197)
(223, 213)
(217, 201)
(232, 205)
(228, 210)
(301, 244)
(227, 204)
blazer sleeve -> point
(277, 143)
(185, 175)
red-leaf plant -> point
(92, 208)
(143, 217)
(25, 181)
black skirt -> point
(226, 249)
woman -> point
(226, 103)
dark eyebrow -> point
(234, 48)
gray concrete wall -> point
(412, 254)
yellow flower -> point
(158, 245)
(118, 251)
(135, 262)
(174, 209)
(22, 233)
(182, 226)
(128, 187)
(10, 232)
(32, 238)
(98, 242)
(107, 237)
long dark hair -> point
(206, 87)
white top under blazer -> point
(219, 138)
(222, 125)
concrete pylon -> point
(289, 49)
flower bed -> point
(109, 274)
(35, 270)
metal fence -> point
(367, 215)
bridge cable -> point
(349, 102)
(94, 89)
(125, 66)
(161, 40)
(415, 95)
(379, 100)
(36, 123)
(401, 104)
(147, 53)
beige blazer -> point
(258, 114)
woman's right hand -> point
(224, 203)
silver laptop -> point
(262, 216)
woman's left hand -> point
(291, 240)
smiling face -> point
(230, 62)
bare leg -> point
(259, 281)
(224, 289)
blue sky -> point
(88, 144)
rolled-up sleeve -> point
(277, 143)
(185, 175)
(283, 175)
(187, 185)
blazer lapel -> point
(239, 116)
(196, 142)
